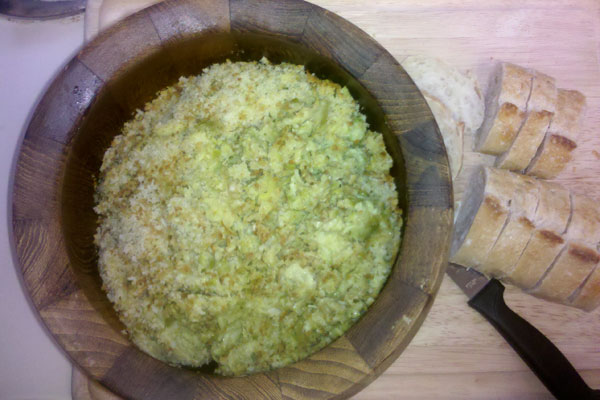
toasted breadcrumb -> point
(247, 216)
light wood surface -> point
(457, 354)
(123, 68)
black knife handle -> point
(543, 357)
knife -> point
(38, 9)
(539, 353)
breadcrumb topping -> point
(247, 216)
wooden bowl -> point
(97, 91)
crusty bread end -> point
(570, 270)
(542, 249)
(459, 92)
(584, 226)
(570, 110)
(552, 157)
(481, 217)
(452, 133)
(505, 105)
(554, 209)
(524, 147)
(508, 248)
(579, 256)
(551, 219)
(482, 234)
(540, 111)
(555, 152)
(588, 296)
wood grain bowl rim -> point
(73, 317)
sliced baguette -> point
(579, 257)
(570, 110)
(588, 297)
(526, 197)
(554, 209)
(482, 216)
(570, 270)
(552, 157)
(541, 251)
(555, 152)
(518, 229)
(505, 106)
(585, 221)
(551, 220)
(452, 133)
(540, 110)
(510, 245)
(458, 92)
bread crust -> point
(569, 271)
(552, 157)
(508, 248)
(588, 297)
(579, 257)
(544, 94)
(540, 110)
(585, 221)
(482, 215)
(457, 91)
(506, 103)
(554, 209)
(483, 232)
(570, 110)
(542, 249)
(516, 84)
(502, 222)
(502, 184)
(551, 220)
(524, 147)
(452, 133)
(555, 152)
(519, 226)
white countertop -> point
(32, 366)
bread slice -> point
(510, 245)
(585, 221)
(505, 106)
(518, 229)
(526, 197)
(555, 152)
(546, 243)
(579, 257)
(540, 110)
(458, 92)
(570, 270)
(502, 184)
(541, 251)
(552, 157)
(452, 133)
(588, 296)
(587, 229)
(554, 209)
(528, 140)
(584, 226)
(570, 110)
(482, 216)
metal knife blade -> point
(467, 279)
(37, 9)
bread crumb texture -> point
(246, 216)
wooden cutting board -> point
(457, 354)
